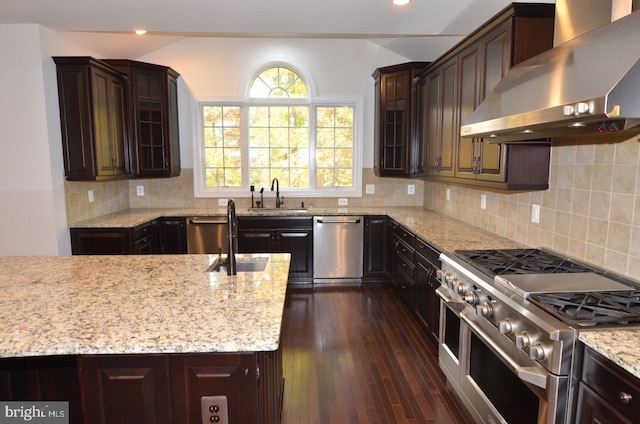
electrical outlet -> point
(535, 214)
(448, 194)
(483, 201)
(370, 189)
(140, 190)
(90, 196)
(411, 189)
(214, 409)
(223, 202)
(343, 202)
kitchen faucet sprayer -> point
(277, 185)
(232, 223)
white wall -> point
(30, 184)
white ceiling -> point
(422, 30)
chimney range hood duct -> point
(587, 85)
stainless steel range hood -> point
(587, 85)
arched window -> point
(278, 82)
(279, 132)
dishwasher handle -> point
(325, 221)
(206, 221)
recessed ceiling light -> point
(141, 31)
(400, 2)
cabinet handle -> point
(625, 398)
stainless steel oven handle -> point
(528, 374)
(455, 304)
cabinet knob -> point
(625, 398)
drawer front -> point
(404, 250)
(427, 251)
(267, 222)
(615, 385)
(407, 269)
(406, 236)
(141, 232)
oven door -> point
(450, 346)
(503, 384)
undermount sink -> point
(252, 265)
(287, 210)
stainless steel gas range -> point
(509, 323)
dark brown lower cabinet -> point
(150, 388)
(280, 235)
(427, 304)
(46, 378)
(607, 394)
(233, 375)
(126, 389)
(376, 241)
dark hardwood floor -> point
(356, 355)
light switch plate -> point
(448, 194)
(223, 202)
(140, 190)
(483, 201)
(411, 189)
(370, 189)
(90, 196)
(343, 202)
(535, 214)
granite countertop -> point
(73, 305)
(622, 347)
(445, 233)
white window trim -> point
(202, 191)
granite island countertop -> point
(72, 305)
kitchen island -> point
(160, 327)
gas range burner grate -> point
(520, 261)
(591, 309)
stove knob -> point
(505, 326)
(459, 288)
(441, 274)
(471, 298)
(523, 340)
(536, 352)
(486, 309)
(452, 282)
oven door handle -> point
(528, 374)
(454, 304)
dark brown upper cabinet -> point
(397, 151)
(451, 88)
(92, 117)
(152, 108)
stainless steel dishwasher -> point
(337, 248)
(207, 234)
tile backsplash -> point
(591, 210)
(177, 192)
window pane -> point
(282, 147)
(334, 153)
(223, 166)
